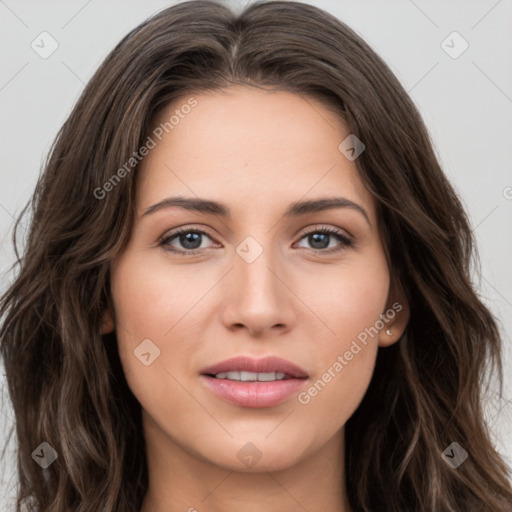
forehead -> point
(253, 145)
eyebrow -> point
(294, 210)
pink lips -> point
(264, 365)
(255, 394)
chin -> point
(255, 457)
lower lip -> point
(253, 394)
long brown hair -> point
(65, 380)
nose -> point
(258, 297)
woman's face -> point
(256, 277)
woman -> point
(246, 284)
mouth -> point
(250, 369)
(244, 376)
(249, 382)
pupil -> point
(186, 240)
(314, 239)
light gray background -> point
(466, 103)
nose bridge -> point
(260, 299)
(253, 266)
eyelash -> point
(345, 242)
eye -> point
(320, 240)
(189, 239)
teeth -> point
(251, 376)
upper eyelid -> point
(193, 227)
(176, 231)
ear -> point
(107, 323)
(395, 317)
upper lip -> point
(263, 365)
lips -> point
(265, 365)
(248, 382)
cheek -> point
(351, 297)
(165, 304)
(147, 304)
(151, 296)
(349, 303)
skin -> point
(257, 152)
